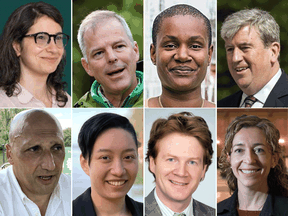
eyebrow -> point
(192, 38)
(240, 44)
(108, 150)
(192, 158)
(100, 48)
(254, 145)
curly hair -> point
(184, 123)
(278, 177)
(16, 27)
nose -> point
(237, 55)
(182, 54)
(111, 56)
(181, 169)
(51, 46)
(48, 162)
(118, 168)
(250, 157)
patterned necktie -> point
(179, 214)
(249, 101)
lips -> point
(240, 69)
(249, 171)
(182, 70)
(117, 183)
(50, 59)
(116, 71)
(178, 183)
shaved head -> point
(34, 118)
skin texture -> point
(182, 45)
(250, 151)
(36, 149)
(109, 50)
(114, 160)
(246, 51)
(35, 60)
(180, 160)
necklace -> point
(159, 100)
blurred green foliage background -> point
(277, 8)
(131, 10)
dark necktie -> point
(249, 101)
(179, 214)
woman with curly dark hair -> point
(32, 58)
(255, 170)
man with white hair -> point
(34, 183)
(252, 43)
(110, 55)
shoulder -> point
(65, 181)
(69, 101)
(86, 101)
(134, 206)
(202, 209)
(83, 205)
(6, 101)
(139, 101)
(230, 101)
(280, 205)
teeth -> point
(240, 69)
(248, 171)
(45, 177)
(177, 183)
(116, 183)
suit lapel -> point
(151, 206)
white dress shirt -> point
(263, 94)
(13, 202)
(168, 212)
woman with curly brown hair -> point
(32, 58)
(254, 168)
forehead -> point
(45, 24)
(246, 34)
(180, 25)
(249, 136)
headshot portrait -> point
(256, 56)
(34, 50)
(180, 39)
(253, 163)
(180, 168)
(32, 181)
(110, 56)
(107, 163)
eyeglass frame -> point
(49, 35)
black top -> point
(273, 206)
(83, 206)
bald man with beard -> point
(34, 183)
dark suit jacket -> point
(152, 208)
(83, 205)
(278, 97)
(274, 206)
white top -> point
(14, 202)
(168, 212)
(263, 94)
(27, 100)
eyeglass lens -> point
(60, 40)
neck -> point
(252, 200)
(172, 204)
(106, 207)
(37, 86)
(181, 99)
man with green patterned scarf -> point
(110, 55)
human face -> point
(251, 158)
(37, 154)
(111, 57)
(182, 53)
(178, 168)
(113, 164)
(249, 62)
(37, 60)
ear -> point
(84, 164)
(275, 50)
(136, 50)
(17, 48)
(204, 172)
(86, 67)
(152, 164)
(153, 53)
(275, 159)
(9, 154)
(228, 158)
(210, 51)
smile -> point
(178, 183)
(182, 70)
(241, 69)
(116, 183)
(45, 177)
(116, 72)
(249, 171)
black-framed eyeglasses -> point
(42, 39)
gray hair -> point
(95, 17)
(268, 28)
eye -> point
(192, 162)
(129, 157)
(170, 46)
(195, 46)
(58, 147)
(105, 157)
(42, 37)
(238, 150)
(34, 148)
(98, 54)
(229, 49)
(259, 150)
(120, 46)
(170, 159)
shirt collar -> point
(167, 211)
(263, 94)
